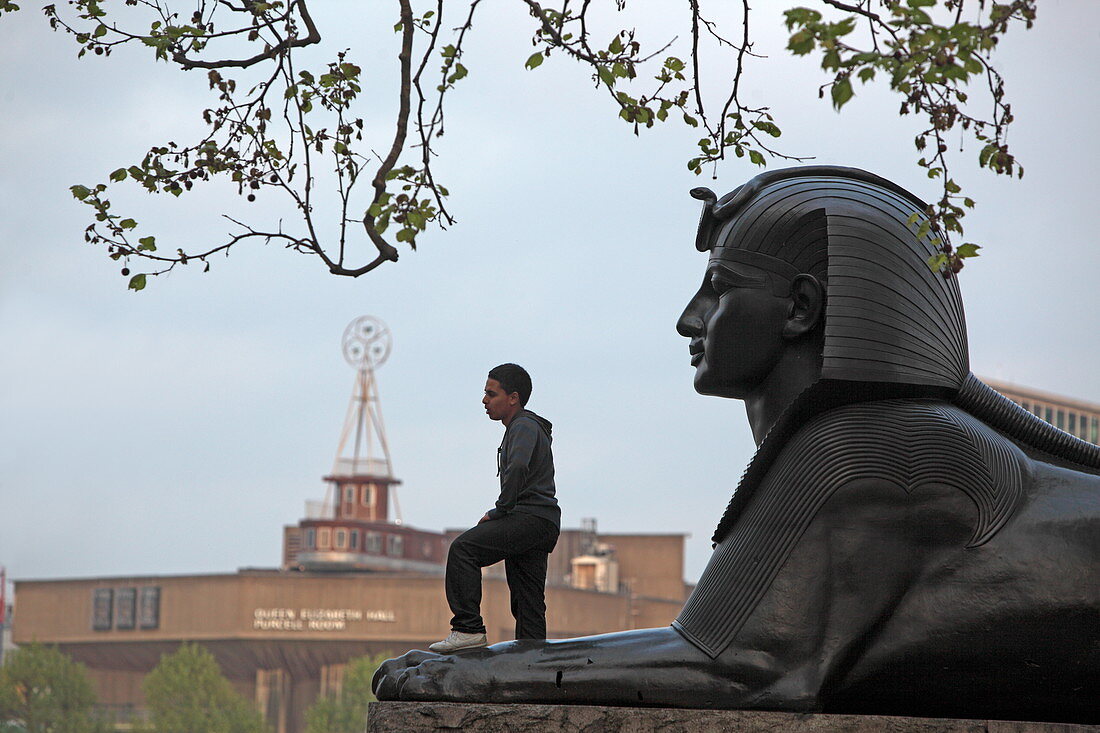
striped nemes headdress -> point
(889, 318)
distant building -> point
(353, 582)
(284, 637)
(1074, 416)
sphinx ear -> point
(807, 306)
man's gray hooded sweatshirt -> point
(525, 465)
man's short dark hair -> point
(513, 378)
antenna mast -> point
(363, 452)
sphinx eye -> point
(720, 284)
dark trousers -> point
(523, 542)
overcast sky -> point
(178, 429)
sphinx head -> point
(817, 271)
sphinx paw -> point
(386, 683)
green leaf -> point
(606, 76)
(845, 26)
(127, 223)
(936, 262)
(616, 46)
(842, 92)
(147, 244)
(137, 282)
(535, 60)
(968, 250)
(801, 43)
(80, 192)
(119, 175)
(983, 157)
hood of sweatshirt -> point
(543, 423)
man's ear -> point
(807, 306)
(513, 398)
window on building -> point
(149, 607)
(1048, 414)
(102, 608)
(1072, 429)
(324, 538)
(354, 540)
(341, 539)
(1094, 431)
(368, 494)
(1025, 404)
(1060, 419)
(125, 608)
(374, 543)
(311, 539)
(396, 544)
(349, 494)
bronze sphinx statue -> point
(905, 540)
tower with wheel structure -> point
(352, 528)
(362, 482)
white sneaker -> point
(457, 641)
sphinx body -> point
(903, 542)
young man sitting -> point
(521, 529)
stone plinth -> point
(420, 717)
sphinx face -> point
(735, 323)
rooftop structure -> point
(351, 529)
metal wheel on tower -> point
(367, 343)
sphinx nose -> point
(690, 322)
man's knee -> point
(460, 549)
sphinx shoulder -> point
(909, 444)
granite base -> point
(418, 717)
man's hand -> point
(484, 519)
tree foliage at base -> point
(299, 133)
(186, 692)
(47, 692)
(346, 712)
